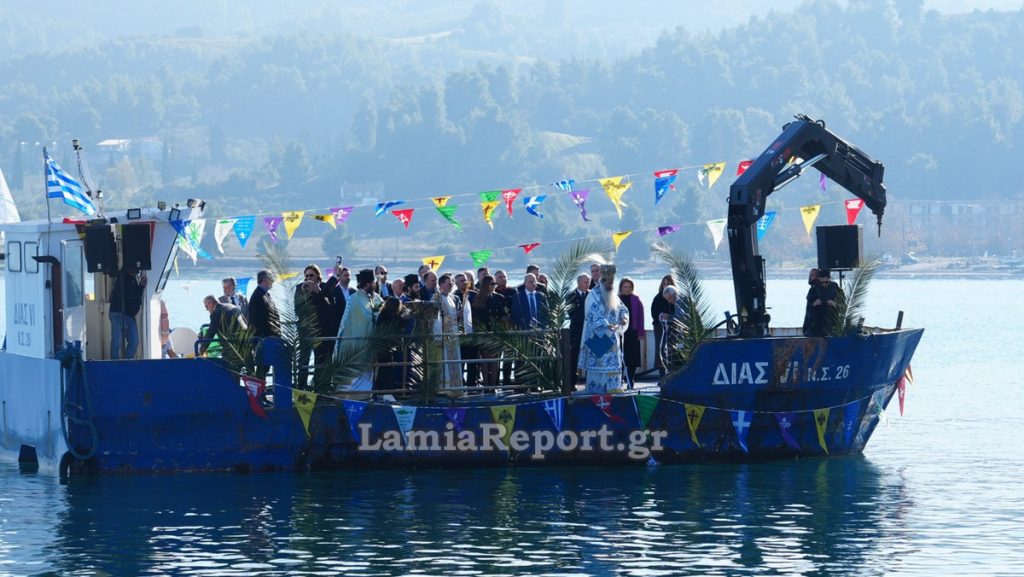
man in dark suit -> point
(530, 306)
(577, 312)
(314, 299)
(340, 293)
(535, 271)
(502, 287)
(225, 320)
(263, 317)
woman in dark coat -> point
(658, 306)
(631, 357)
(390, 321)
(489, 311)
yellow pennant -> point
(440, 201)
(694, 413)
(618, 237)
(329, 218)
(712, 172)
(614, 188)
(434, 262)
(820, 422)
(489, 207)
(810, 214)
(304, 402)
(176, 273)
(505, 415)
(292, 219)
(288, 275)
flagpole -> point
(46, 190)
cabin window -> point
(31, 264)
(14, 256)
(74, 274)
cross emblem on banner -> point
(505, 417)
(693, 416)
(784, 423)
(351, 412)
(302, 398)
(432, 264)
(821, 419)
(742, 422)
(602, 402)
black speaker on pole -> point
(135, 247)
(100, 249)
(840, 247)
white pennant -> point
(405, 416)
(221, 230)
(717, 229)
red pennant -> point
(901, 390)
(853, 207)
(604, 403)
(528, 247)
(743, 166)
(73, 220)
(254, 389)
(404, 216)
(510, 195)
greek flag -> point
(60, 185)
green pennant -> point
(490, 196)
(448, 212)
(645, 405)
(480, 257)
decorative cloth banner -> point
(909, 374)
(712, 171)
(243, 229)
(785, 421)
(565, 185)
(292, 220)
(764, 222)
(434, 262)
(820, 423)
(663, 180)
(821, 181)
(741, 422)
(242, 284)
(254, 389)
(853, 207)
(337, 216)
(457, 415)
(717, 227)
(489, 206)
(809, 214)
(270, 223)
(509, 195)
(645, 405)
(404, 216)
(618, 237)
(304, 402)
(579, 198)
(405, 416)
(490, 196)
(354, 413)
(604, 404)
(383, 206)
(288, 275)
(533, 202)
(614, 188)
(555, 408)
(901, 390)
(743, 166)
(504, 415)
(190, 235)
(528, 247)
(694, 413)
(195, 231)
(220, 231)
(480, 257)
(448, 212)
(440, 201)
(851, 414)
(666, 230)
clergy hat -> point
(364, 276)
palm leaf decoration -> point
(852, 304)
(699, 323)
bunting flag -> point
(195, 231)
(901, 390)
(448, 212)
(565, 185)
(176, 271)
(741, 422)
(270, 223)
(666, 230)
(221, 228)
(663, 181)
(853, 207)
(441, 201)
(480, 257)
(383, 206)
(820, 423)
(533, 202)
(254, 389)
(434, 262)
(717, 227)
(821, 181)
(304, 402)
(645, 405)
(489, 206)
(743, 166)
(243, 229)
(490, 196)
(404, 216)
(604, 404)
(406, 417)
(614, 188)
(909, 374)
(242, 284)
(618, 237)
(292, 220)
(354, 413)
(810, 214)
(764, 222)
(509, 195)
(288, 275)
(528, 247)
(785, 421)
(712, 171)
(694, 413)
(555, 408)
(184, 243)
(579, 198)
(851, 416)
(457, 415)
(504, 415)
(335, 217)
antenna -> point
(77, 145)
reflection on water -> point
(818, 516)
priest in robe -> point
(450, 314)
(357, 326)
(606, 319)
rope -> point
(70, 357)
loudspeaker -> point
(100, 249)
(135, 247)
(840, 247)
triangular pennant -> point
(821, 423)
(618, 237)
(604, 403)
(292, 220)
(555, 408)
(851, 417)
(220, 231)
(694, 413)
(254, 389)
(490, 196)
(528, 247)
(664, 230)
(614, 188)
(645, 405)
(743, 166)
(270, 224)
(565, 185)
(404, 216)
(579, 198)
(448, 212)
(406, 417)
(243, 228)
(354, 413)
(440, 201)
(810, 214)
(909, 374)
(533, 202)
(853, 207)
(717, 227)
(663, 180)
(328, 218)
(901, 391)
(509, 195)
(304, 402)
(457, 415)
(711, 171)
(785, 421)
(383, 206)
(242, 284)
(434, 262)
(288, 275)
(183, 240)
(504, 415)
(335, 217)
(821, 181)
(488, 209)
(741, 422)
(764, 222)
(480, 257)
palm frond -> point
(853, 299)
(698, 325)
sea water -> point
(937, 491)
